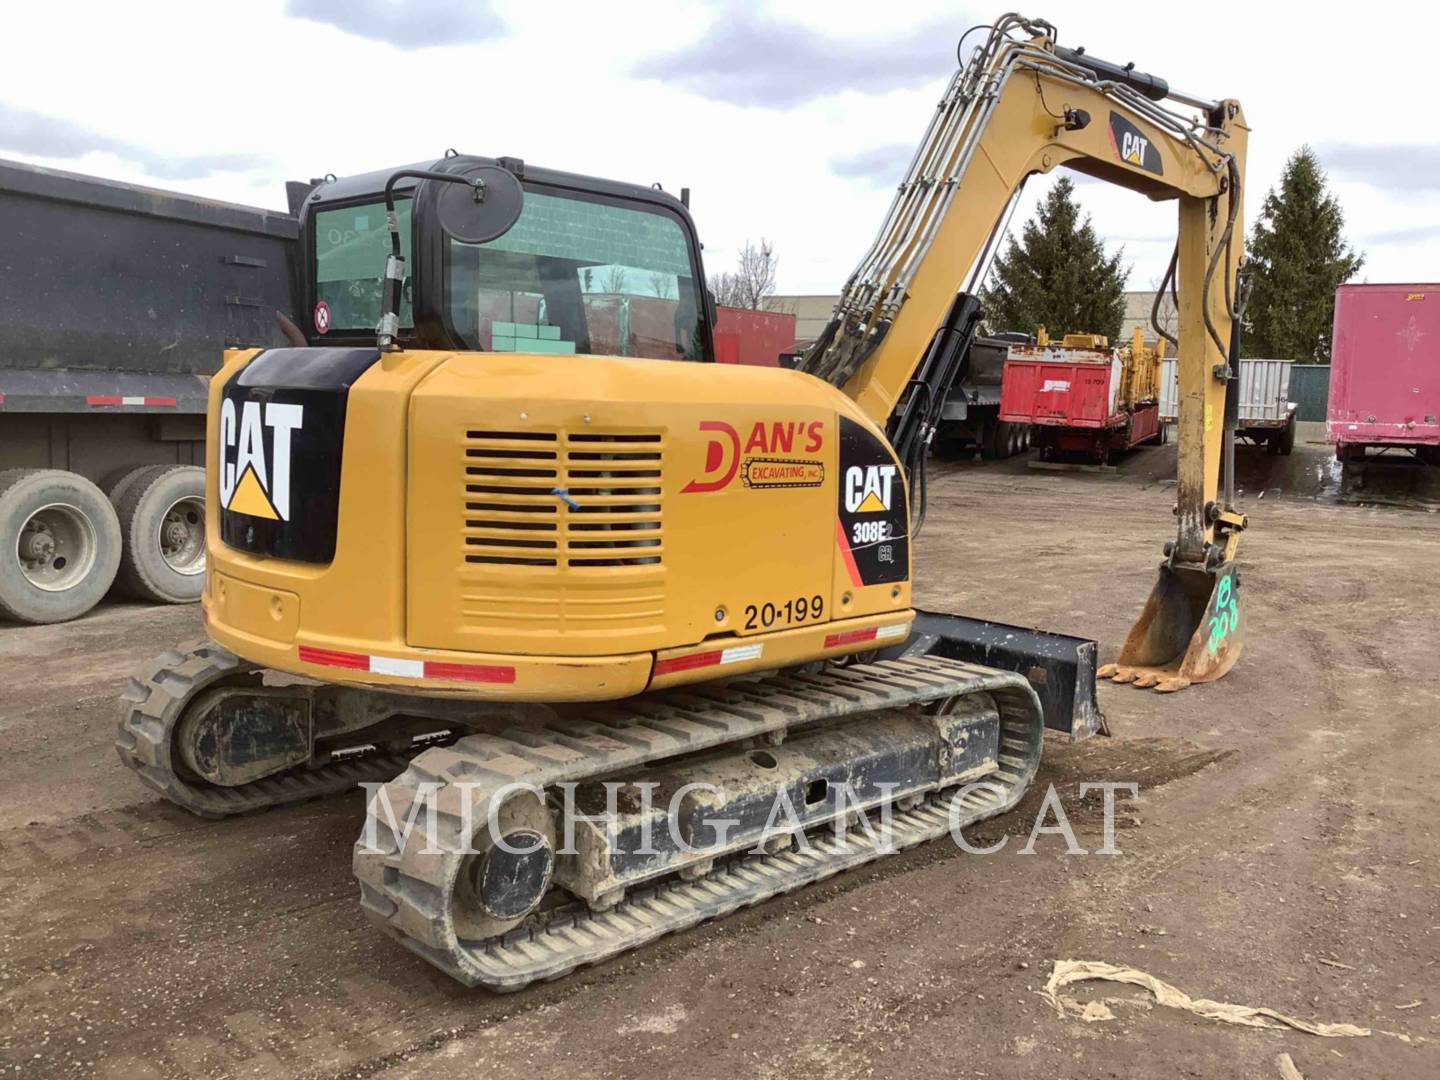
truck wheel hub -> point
(37, 547)
(57, 547)
(182, 537)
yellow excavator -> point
(583, 608)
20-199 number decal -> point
(799, 610)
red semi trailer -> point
(1385, 371)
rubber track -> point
(152, 706)
(408, 891)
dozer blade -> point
(1191, 630)
(1060, 668)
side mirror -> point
(472, 207)
(481, 207)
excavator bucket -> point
(1190, 631)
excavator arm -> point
(1024, 105)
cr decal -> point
(255, 457)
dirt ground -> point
(1283, 852)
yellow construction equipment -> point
(582, 607)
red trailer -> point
(1385, 371)
(743, 336)
(1081, 397)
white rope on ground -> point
(1067, 972)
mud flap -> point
(1190, 631)
(1059, 667)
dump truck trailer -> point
(116, 304)
(972, 407)
(1082, 396)
(1385, 371)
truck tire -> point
(59, 545)
(998, 439)
(116, 484)
(1285, 443)
(162, 518)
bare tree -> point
(613, 280)
(663, 286)
(724, 288)
(1167, 316)
(753, 279)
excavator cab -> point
(531, 260)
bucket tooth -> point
(1190, 631)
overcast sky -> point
(788, 120)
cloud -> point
(26, 132)
(880, 166)
(1412, 234)
(750, 59)
(1388, 166)
(408, 25)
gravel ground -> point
(1282, 852)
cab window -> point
(580, 274)
(351, 246)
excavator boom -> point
(1024, 105)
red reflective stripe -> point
(847, 554)
(331, 658)
(850, 637)
(491, 673)
(96, 400)
(687, 663)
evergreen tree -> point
(1057, 275)
(1298, 258)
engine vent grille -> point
(563, 499)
